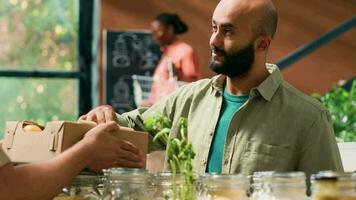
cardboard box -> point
(57, 136)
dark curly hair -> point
(174, 20)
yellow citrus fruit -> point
(32, 127)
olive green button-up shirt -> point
(278, 128)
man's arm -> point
(100, 114)
(106, 113)
(99, 149)
(320, 151)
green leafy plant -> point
(179, 151)
(342, 106)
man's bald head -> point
(266, 24)
(262, 14)
(242, 32)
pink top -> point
(185, 64)
(179, 62)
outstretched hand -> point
(109, 151)
(100, 114)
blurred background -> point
(51, 52)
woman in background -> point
(178, 61)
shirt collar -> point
(266, 89)
(270, 85)
(218, 83)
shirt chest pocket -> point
(266, 157)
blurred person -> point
(247, 118)
(99, 149)
(178, 61)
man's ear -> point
(263, 43)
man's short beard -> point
(236, 64)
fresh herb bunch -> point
(180, 153)
(159, 126)
(342, 106)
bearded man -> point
(247, 118)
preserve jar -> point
(223, 187)
(165, 186)
(278, 186)
(83, 187)
(334, 185)
(126, 184)
(288, 186)
(346, 185)
(324, 186)
(260, 188)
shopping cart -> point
(148, 88)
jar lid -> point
(224, 179)
(84, 179)
(325, 175)
(340, 176)
(262, 173)
(165, 178)
(288, 179)
(121, 170)
(125, 173)
(289, 175)
(165, 174)
(260, 176)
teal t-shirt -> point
(231, 104)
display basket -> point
(146, 87)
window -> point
(39, 37)
(39, 34)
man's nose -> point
(216, 40)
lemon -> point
(32, 128)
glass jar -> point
(260, 185)
(278, 186)
(346, 185)
(126, 184)
(324, 186)
(223, 186)
(288, 185)
(334, 185)
(83, 187)
(165, 188)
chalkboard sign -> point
(126, 53)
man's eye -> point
(213, 28)
(228, 32)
